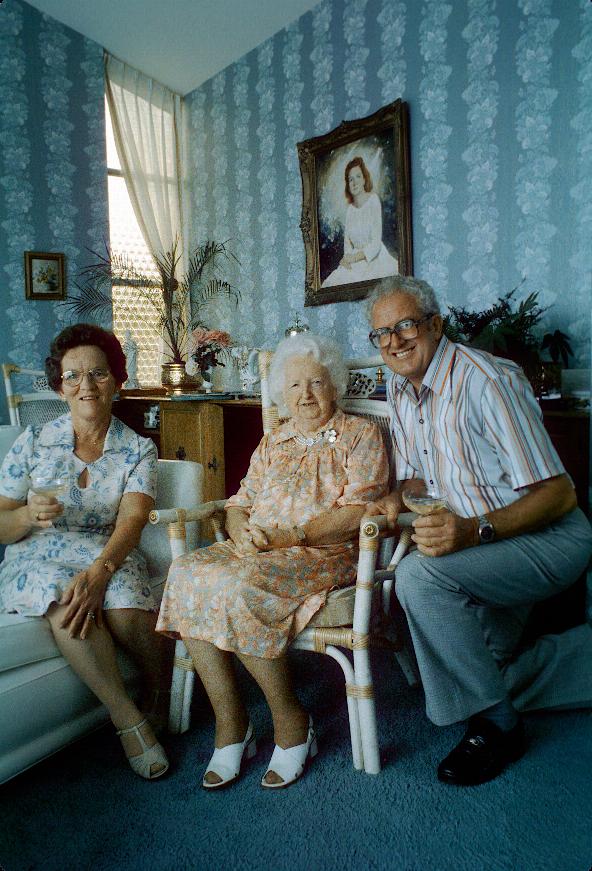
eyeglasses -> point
(73, 378)
(406, 329)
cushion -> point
(338, 610)
(180, 484)
(24, 640)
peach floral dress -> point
(257, 604)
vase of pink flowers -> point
(207, 349)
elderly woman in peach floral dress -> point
(292, 529)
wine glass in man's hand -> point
(424, 499)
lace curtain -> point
(148, 127)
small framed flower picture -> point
(45, 275)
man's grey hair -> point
(324, 351)
(421, 290)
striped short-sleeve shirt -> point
(475, 431)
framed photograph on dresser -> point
(356, 205)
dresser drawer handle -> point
(180, 453)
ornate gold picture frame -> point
(356, 205)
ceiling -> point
(181, 43)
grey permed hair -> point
(324, 351)
(421, 290)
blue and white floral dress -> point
(38, 568)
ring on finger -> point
(90, 615)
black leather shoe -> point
(482, 754)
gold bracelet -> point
(110, 566)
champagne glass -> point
(49, 484)
(425, 499)
(49, 481)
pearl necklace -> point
(327, 435)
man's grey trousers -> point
(467, 611)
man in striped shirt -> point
(467, 424)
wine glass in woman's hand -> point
(47, 483)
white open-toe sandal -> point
(290, 763)
(226, 761)
(150, 756)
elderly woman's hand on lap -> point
(239, 531)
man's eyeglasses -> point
(406, 329)
(73, 378)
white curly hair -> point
(324, 351)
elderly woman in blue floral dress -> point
(74, 559)
(292, 528)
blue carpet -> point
(84, 809)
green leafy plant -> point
(177, 303)
(503, 330)
(558, 345)
(509, 330)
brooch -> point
(327, 435)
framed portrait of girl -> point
(356, 210)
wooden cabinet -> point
(243, 430)
(131, 410)
(570, 434)
(221, 435)
(194, 431)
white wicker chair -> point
(34, 403)
(352, 618)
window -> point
(125, 237)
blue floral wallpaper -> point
(500, 103)
(53, 175)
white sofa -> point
(43, 704)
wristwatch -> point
(486, 530)
(110, 566)
(300, 533)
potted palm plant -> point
(177, 302)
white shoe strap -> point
(226, 761)
(288, 763)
